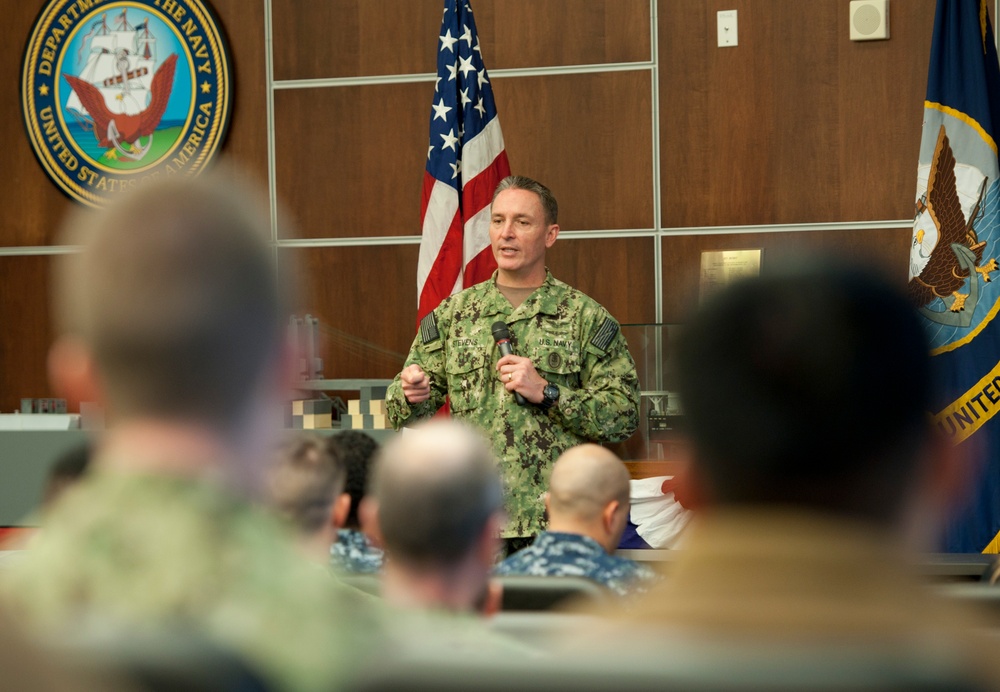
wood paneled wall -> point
(796, 125)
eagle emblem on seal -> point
(946, 255)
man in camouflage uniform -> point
(588, 503)
(178, 329)
(436, 504)
(572, 368)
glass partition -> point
(652, 346)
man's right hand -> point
(416, 384)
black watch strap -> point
(550, 395)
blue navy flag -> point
(465, 162)
(953, 265)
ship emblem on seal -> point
(115, 94)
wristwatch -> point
(550, 395)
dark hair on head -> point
(357, 449)
(808, 386)
(522, 182)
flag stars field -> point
(447, 41)
(441, 110)
(466, 159)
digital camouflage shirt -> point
(353, 553)
(140, 549)
(556, 554)
(573, 343)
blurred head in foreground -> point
(809, 388)
(307, 490)
(589, 495)
(172, 313)
(436, 505)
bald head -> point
(584, 480)
(436, 487)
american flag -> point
(465, 161)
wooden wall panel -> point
(797, 124)
(30, 205)
(528, 33)
(348, 38)
(616, 272)
(26, 331)
(246, 140)
(349, 161)
(365, 299)
(886, 251)
(588, 137)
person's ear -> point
(368, 518)
(493, 602)
(545, 500)
(687, 485)
(953, 470)
(551, 234)
(73, 373)
(608, 516)
(941, 484)
(341, 508)
(489, 540)
(286, 371)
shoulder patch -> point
(429, 329)
(606, 334)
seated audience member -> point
(437, 507)
(815, 468)
(588, 505)
(176, 328)
(353, 551)
(307, 489)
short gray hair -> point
(436, 488)
(306, 480)
(522, 182)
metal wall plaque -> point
(722, 267)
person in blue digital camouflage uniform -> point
(588, 504)
(353, 551)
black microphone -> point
(501, 334)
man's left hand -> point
(518, 374)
